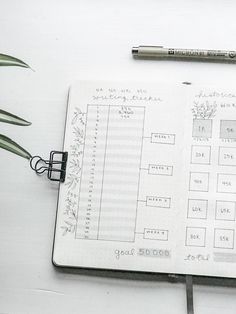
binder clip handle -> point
(55, 168)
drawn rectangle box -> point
(224, 257)
(197, 208)
(195, 236)
(225, 210)
(228, 129)
(162, 138)
(199, 181)
(107, 128)
(155, 201)
(200, 154)
(226, 183)
(202, 128)
(224, 238)
(162, 170)
(155, 234)
(227, 156)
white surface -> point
(64, 41)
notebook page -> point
(207, 237)
(150, 180)
(118, 208)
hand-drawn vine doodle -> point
(203, 110)
(74, 172)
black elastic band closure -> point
(189, 294)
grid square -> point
(199, 181)
(197, 209)
(201, 154)
(224, 238)
(202, 128)
(195, 236)
(225, 210)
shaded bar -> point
(121, 174)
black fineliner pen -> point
(159, 52)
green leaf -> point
(6, 60)
(8, 117)
(11, 146)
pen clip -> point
(152, 46)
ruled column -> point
(121, 172)
(92, 172)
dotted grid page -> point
(151, 179)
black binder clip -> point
(56, 168)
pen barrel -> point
(175, 53)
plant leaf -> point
(6, 60)
(8, 117)
(7, 144)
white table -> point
(66, 40)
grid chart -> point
(111, 163)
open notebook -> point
(151, 179)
